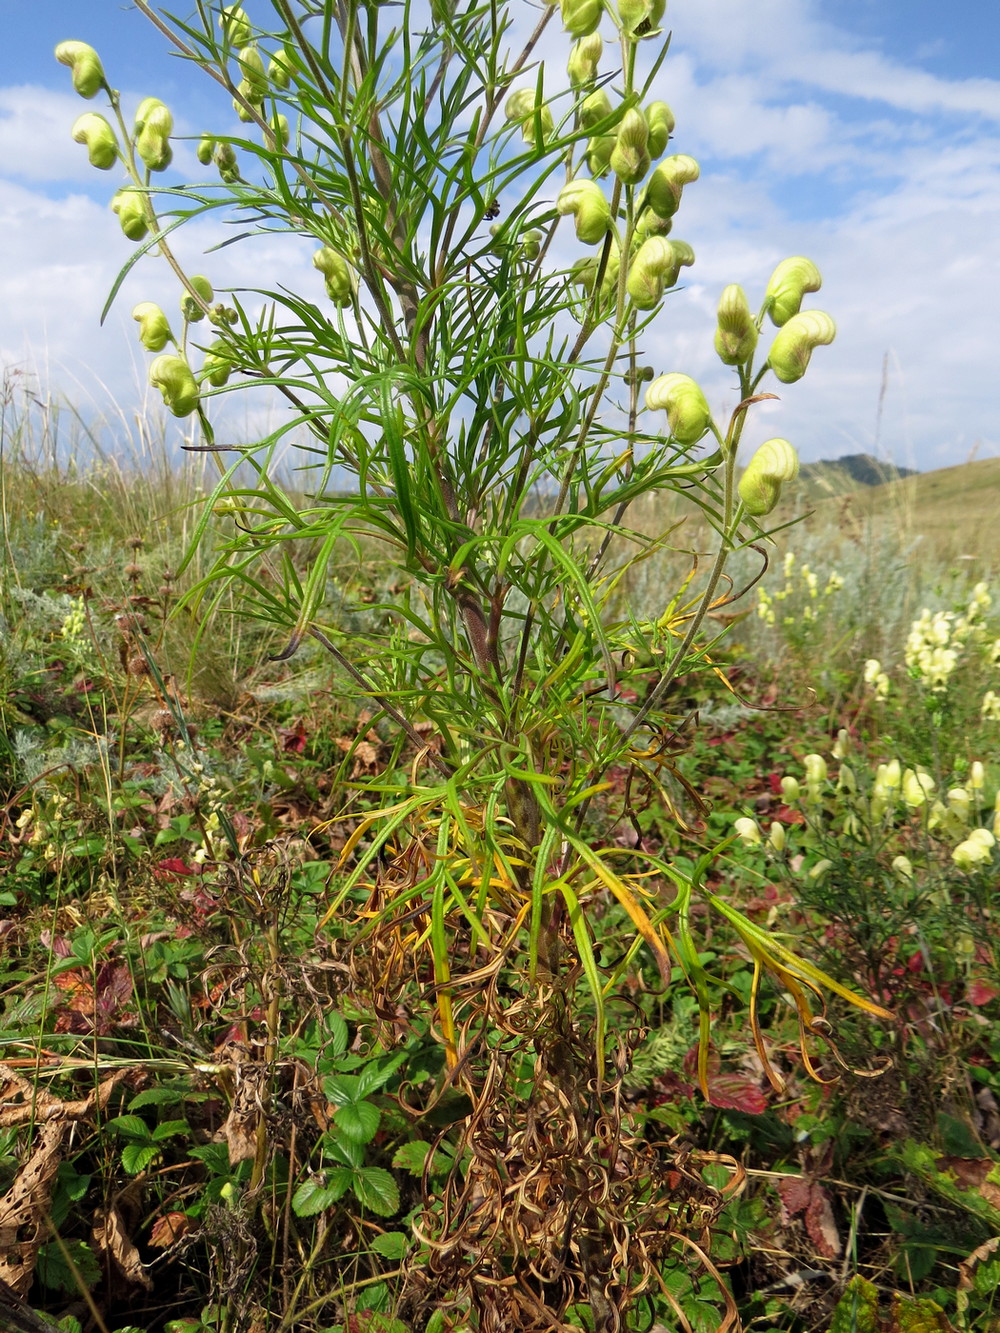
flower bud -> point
(687, 409)
(585, 272)
(660, 120)
(960, 803)
(790, 790)
(916, 788)
(846, 781)
(254, 83)
(902, 866)
(154, 327)
(789, 283)
(83, 60)
(819, 869)
(153, 127)
(280, 131)
(190, 308)
(279, 70)
(235, 25)
(595, 109)
(584, 59)
(340, 280)
(641, 18)
(224, 158)
(217, 366)
(665, 186)
(521, 108)
(646, 274)
(815, 766)
(630, 156)
(654, 268)
(774, 463)
(736, 335)
(206, 147)
(530, 244)
(591, 211)
(581, 17)
(599, 150)
(776, 836)
(977, 776)
(794, 343)
(131, 209)
(649, 223)
(890, 774)
(976, 850)
(746, 829)
(97, 134)
(172, 376)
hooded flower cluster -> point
(917, 824)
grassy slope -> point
(952, 510)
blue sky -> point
(864, 134)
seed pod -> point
(794, 343)
(641, 18)
(206, 147)
(630, 157)
(190, 308)
(789, 283)
(224, 158)
(774, 463)
(172, 376)
(584, 59)
(83, 60)
(687, 409)
(97, 134)
(665, 186)
(153, 127)
(130, 206)
(660, 120)
(218, 365)
(235, 26)
(581, 17)
(736, 335)
(591, 211)
(341, 283)
(154, 327)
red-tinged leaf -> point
(174, 867)
(113, 986)
(979, 991)
(795, 1193)
(293, 739)
(170, 1228)
(728, 1090)
(820, 1225)
(736, 1092)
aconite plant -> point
(468, 373)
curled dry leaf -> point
(110, 1241)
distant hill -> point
(840, 475)
(951, 512)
